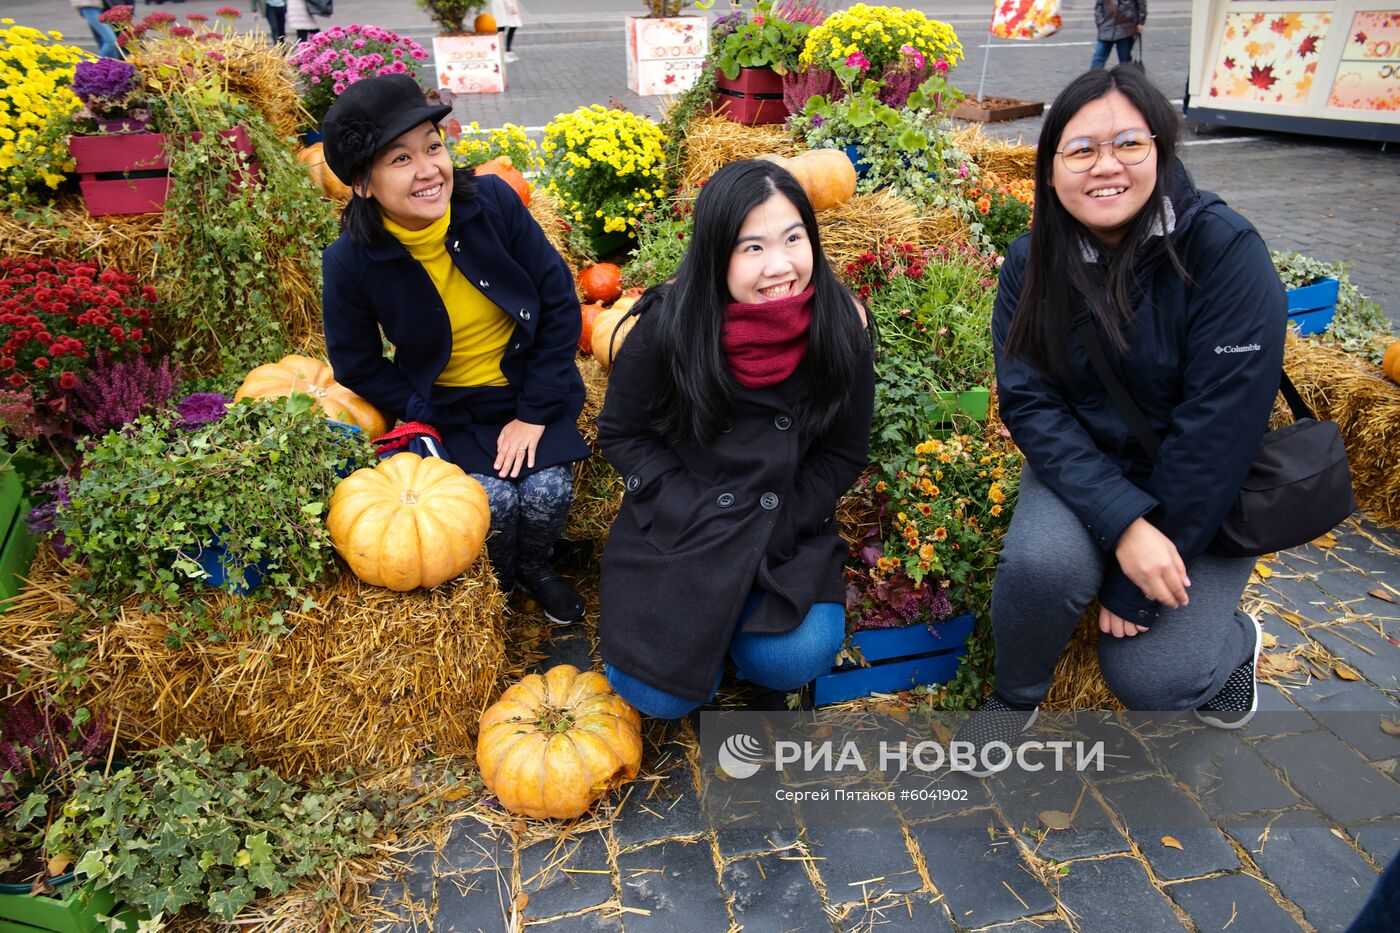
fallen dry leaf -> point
(1345, 672)
(1381, 594)
(1390, 725)
(1054, 819)
(521, 900)
(1270, 641)
(1264, 571)
(1326, 542)
(1279, 663)
(59, 864)
(1292, 618)
(822, 732)
(1171, 842)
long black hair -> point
(1056, 276)
(360, 218)
(695, 394)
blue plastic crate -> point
(899, 658)
(1312, 307)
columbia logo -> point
(1241, 348)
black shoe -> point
(996, 721)
(1237, 702)
(561, 603)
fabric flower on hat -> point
(357, 140)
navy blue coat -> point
(1203, 364)
(499, 247)
(703, 525)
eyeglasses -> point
(1130, 147)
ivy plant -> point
(1358, 320)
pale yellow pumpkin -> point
(827, 175)
(609, 331)
(315, 378)
(321, 175)
(408, 521)
(555, 743)
(1391, 361)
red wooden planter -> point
(753, 98)
(129, 174)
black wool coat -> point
(702, 525)
(497, 245)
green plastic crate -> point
(19, 544)
(972, 403)
(76, 912)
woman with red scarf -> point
(738, 413)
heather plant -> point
(116, 392)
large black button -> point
(782, 422)
(524, 315)
(726, 427)
(634, 482)
(725, 500)
(769, 500)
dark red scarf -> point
(765, 341)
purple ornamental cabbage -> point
(201, 408)
(103, 84)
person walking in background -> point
(507, 14)
(1120, 22)
(102, 34)
(275, 11)
(299, 18)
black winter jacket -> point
(1203, 364)
(497, 245)
(1119, 19)
(702, 525)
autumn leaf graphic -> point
(1229, 64)
(1308, 46)
(1262, 77)
(1359, 38)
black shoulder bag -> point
(1298, 487)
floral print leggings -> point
(527, 517)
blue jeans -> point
(1104, 46)
(778, 662)
(102, 34)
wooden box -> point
(130, 174)
(899, 659)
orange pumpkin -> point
(610, 330)
(585, 337)
(503, 168)
(555, 743)
(408, 521)
(485, 23)
(827, 175)
(1391, 361)
(315, 378)
(321, 175)
(600, 282)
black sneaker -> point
(1237, 702)
(996, 721)
(561, 603)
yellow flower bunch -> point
(605, 166)
(35, 103)
(477, 146)
(877, 36)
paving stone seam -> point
(1250, 867)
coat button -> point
(484, 284)
(725, 500)
(782, 422)
(524, 315)
(726, 427)
(634, 482)
(769, 500)
(1142, 613)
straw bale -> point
(597, 487)
(1014, 160)
(712, 141)
(865, 222)
(365, 678)
(545, 209)
(1366, 406)
(1078, 683)
(67, 232)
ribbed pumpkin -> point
(315, 378)
(408, 521)
(554, 743)
(827, 175)
(503, 168)
(601, 281)
(609, 331)
(321, 175)
(1391, 362)
(485, 23)
(589, 312)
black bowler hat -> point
(369, 115)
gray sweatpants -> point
(1049, 571)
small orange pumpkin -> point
(503, 168)
(554, 743)
(485, 23)
(321, 175)
(315, 378)
(827, 175)
(1391, 361)
(408, 521)
(589, 313)
(610, 329)
(601, 281)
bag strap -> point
(1137, 421)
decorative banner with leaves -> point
(1270, 58)
(1369, 75)
(1025, 19)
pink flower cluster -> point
(332, 60)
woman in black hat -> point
(481, 312)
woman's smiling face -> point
(1106, 197)
(772, 259)
(411, 178)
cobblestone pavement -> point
(1282, 828)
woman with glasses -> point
(1180, 292)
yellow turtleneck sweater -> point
(480, 329)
